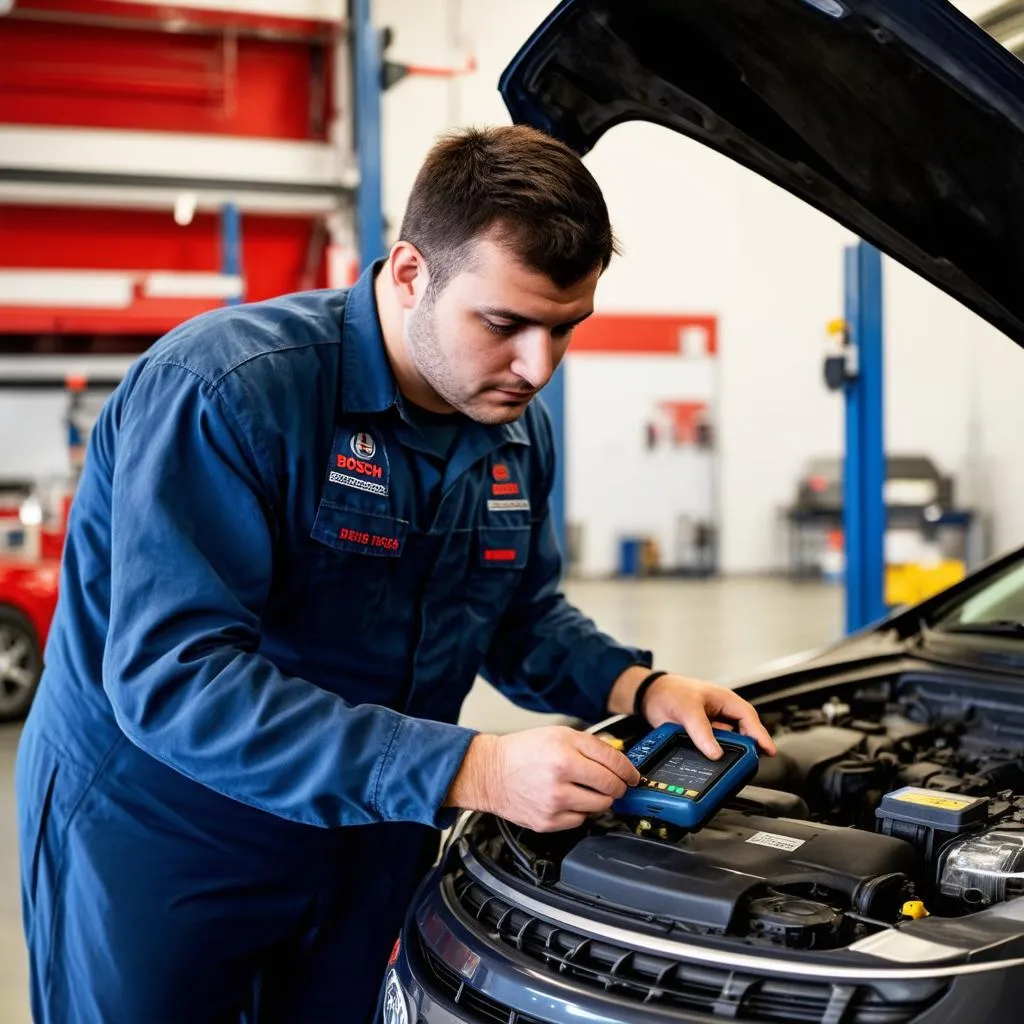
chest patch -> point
(508, 505)
(505, 490)
(359, 462)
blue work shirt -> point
(274, 587)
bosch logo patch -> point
(363, 445)
(500, 471)
(358, 466)
(366, 469)
(499, 490)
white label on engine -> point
(776, 842)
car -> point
(872, 872)
(29, 578)
(844, 884)
(912, 483)
(28, 598)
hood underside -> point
(902, 120)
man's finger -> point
(698, 728)
(566, 819)
(586, 801)
(615, 761)
(743, 712)
(598, 778)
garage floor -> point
(719, 630)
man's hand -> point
(544, 779)
(692, 704)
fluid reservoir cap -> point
(914, 909)
(949, 812)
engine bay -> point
(887, 802)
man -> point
(303, 526)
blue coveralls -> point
(274, 599)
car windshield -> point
(998, 605)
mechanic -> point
(302, 528)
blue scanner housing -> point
(679, 784)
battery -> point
(929, 818)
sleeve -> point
(547, 655)
(192, 541)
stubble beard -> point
(436, 369)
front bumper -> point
(459, 963)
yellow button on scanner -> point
(662, 785)
(691, 793)
(914, 909)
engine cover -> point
(741, 869)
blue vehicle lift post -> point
(864, 466)
(231, 246)
(554, 399)
(368, 62)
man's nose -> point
(534, 360)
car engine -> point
(884, 805)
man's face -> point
(494, 336)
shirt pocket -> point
(355, 557)
(361, 533)
(497, 559)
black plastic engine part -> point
(775, 803)
(708, 879)
(847, 785)
(795, 922)
(883, 897)
(802, 755)
(929, 819)
(900, 729)
(920, 773)
(875, 746)
(868, 728)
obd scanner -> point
(679, 785)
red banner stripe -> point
(500, 555)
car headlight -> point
(396, 1003)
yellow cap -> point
(914, 909)
(612, 741)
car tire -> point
(21, 664)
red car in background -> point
(29, 577)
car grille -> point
(473, 1006)
(664, 982)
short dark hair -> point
(531, 189)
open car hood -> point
(900, 119)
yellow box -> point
(909, 584)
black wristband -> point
(641, 691)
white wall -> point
(703, 235)
(33, 434)
(617, 486)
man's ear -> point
(409, 276)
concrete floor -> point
(717, 630)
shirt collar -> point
(367, 383)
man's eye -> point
(504, 330)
